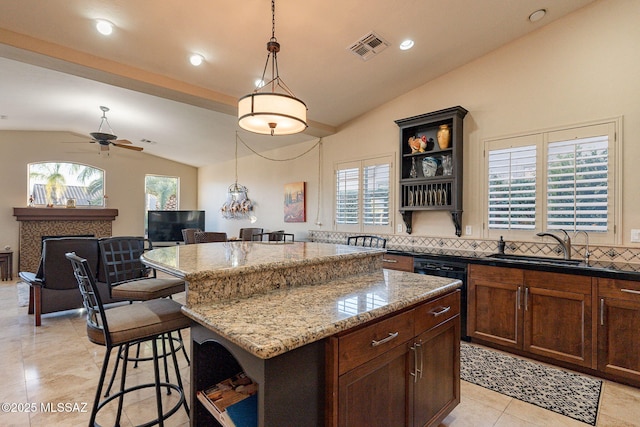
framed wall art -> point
(294, 202)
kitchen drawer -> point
(437, 311)
(620, 289)
(371, 341)
(398, 262)
(512, 276)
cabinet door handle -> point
(601, 311)
(526, 299)
(389, 260)
(391, 336)
(630, 291)
(416, 371)
(441, 312)
(518, 306)
(421, 359)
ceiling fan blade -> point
(129, 147)
(122, 141)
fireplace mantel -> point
(35, 223)
(65, 214)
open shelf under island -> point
(323, 330)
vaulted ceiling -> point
(56, 69)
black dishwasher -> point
(436, 266)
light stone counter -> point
(272, 298)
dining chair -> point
(368, 241)
(119, 327)
(210, 236)
(188, 235)
(246, 234)
(274, 236)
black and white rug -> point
(566, 393)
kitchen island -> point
(309, 323)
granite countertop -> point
(270, 324)
(270, 298)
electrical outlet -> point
(468, 230)
(635, 236)
(399, 228)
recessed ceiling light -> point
(196, 59)
(537, 15)
(406, 45)
(104, 27)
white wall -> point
(124, 173)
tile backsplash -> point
(479, 247)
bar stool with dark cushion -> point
(125, 325)
(368, 241)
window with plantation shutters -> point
(347, 196)
(512, 188)
(561, 179)
(578, 184)
(375, 210)
(362, 196)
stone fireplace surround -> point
(38, 222)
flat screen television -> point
(166, 226)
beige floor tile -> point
(487, 397)
(539, 416)
(620, 402)
(471, 413)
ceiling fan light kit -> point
(266, 111)
(105, 138)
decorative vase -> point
(444, 136)
(429, 167)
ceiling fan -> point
(105, 139)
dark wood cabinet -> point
(436, 388)
(494, 305)
(618, 328)
(541, 313)
(386, 379)
(558, 317)
(398, 262)
(431, 176)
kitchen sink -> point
(536, 259)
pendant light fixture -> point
(267, 111)
(238, 205)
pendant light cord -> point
(270, 158)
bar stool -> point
(125, 325)
(129, 279)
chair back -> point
(121, 259)
(210, 236)
(54, 270)
(246, 234)
(188, 235)
(368, 241)
(274, 236)
(96, 318)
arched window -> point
(65, 184)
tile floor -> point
(55, 363)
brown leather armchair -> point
(54, 287)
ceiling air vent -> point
(368, 46)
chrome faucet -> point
(586, 245)
(564, 243)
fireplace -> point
(36, 223)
